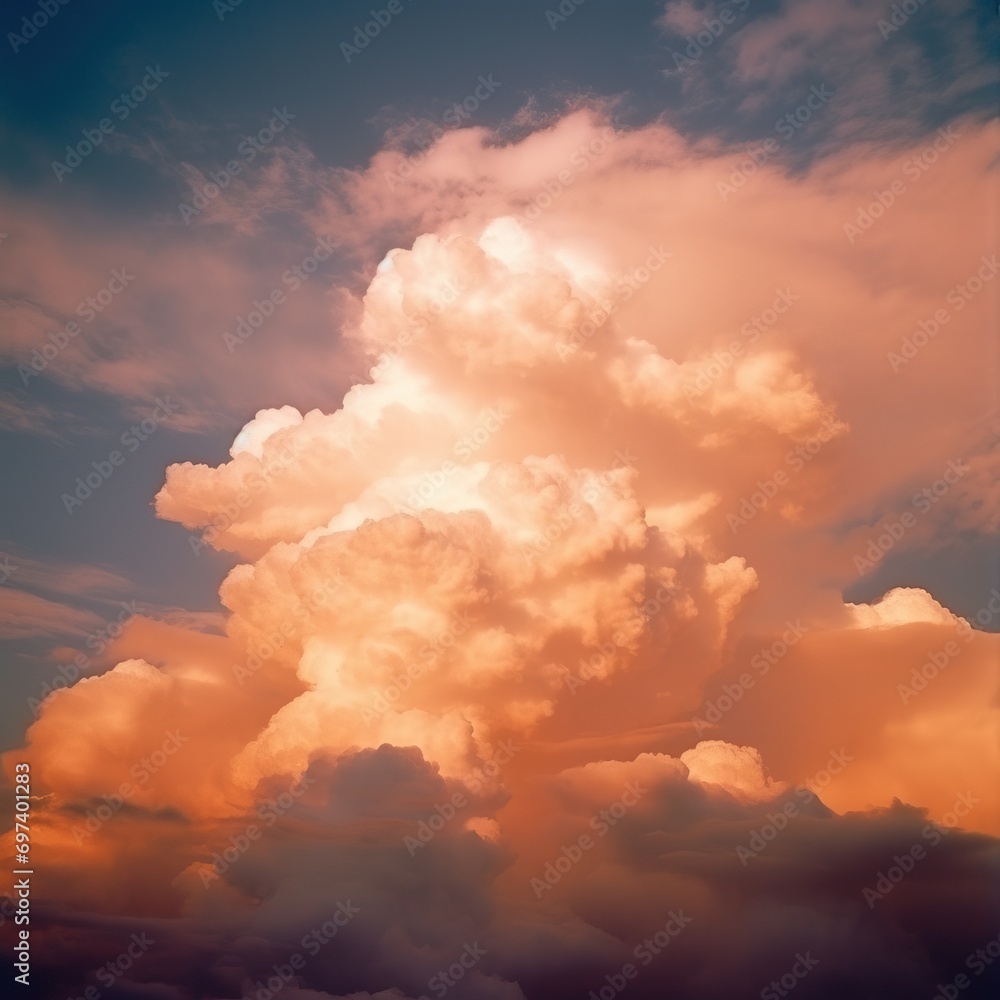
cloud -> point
(683, 17)
(917, 64)
(603, 487)
(23, 615)
(126, 318)
(330, 898)
(63, 579)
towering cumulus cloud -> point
(537, 682)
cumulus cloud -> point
(490, 601)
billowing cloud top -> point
(536, 671)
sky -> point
(501, 501)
